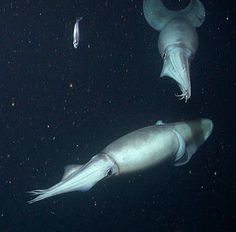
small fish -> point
(76, 32)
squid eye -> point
(109, 173)
(164, 56)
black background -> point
(60, 105)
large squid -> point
(178, 39)
(149, 146)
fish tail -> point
(79, 19)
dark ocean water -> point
(60, 105)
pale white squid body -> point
(76, 32)
(140, 149)
(178, 40)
